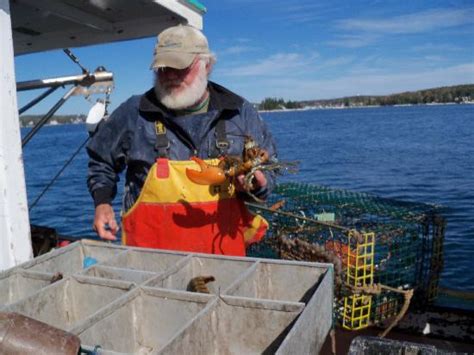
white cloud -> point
(242, 40)
(292, 64)
(424, 21)
(302, 7)
(380, 63)
(337, 61)
(353, 41)
(273, 65)
(288, 13)
(436, 47)
(355, 84)
(237, 50)
(298, 18)
(434, 58)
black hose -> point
(46, 188)
(38, 99)
(46, 118)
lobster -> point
(229, 167)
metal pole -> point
(46, 118)
(36, 100)
(82, 79)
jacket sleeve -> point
(107, 154)
(258, 129)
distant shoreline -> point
(311, 108)
(75, 120)
(447, 94)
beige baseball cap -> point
(177, 47)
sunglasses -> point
(179, 72)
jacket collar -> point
(221, 99)
(150, 104)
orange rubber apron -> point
(174, 213)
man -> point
(156, 135)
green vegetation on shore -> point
(274, 104)
(448, 94)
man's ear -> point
(208, 67)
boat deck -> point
(455, 333)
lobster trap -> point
(387, 254)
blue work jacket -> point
(127, 140)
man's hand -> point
(104, 222)
(259, 181)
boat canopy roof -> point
(51, 24)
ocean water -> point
(414, 153)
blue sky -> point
(298, 50)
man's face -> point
(181, 88)
(176, 80)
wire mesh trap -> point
(387, 254)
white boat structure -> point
(28, 26)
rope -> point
(332, 334)
(300, 217)
(407, 295)
(376, 289)
(58, 174)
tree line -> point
(272, 103)
(447, 94)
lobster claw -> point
(208, 175)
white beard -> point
(188, 96)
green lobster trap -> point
(386, 253)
